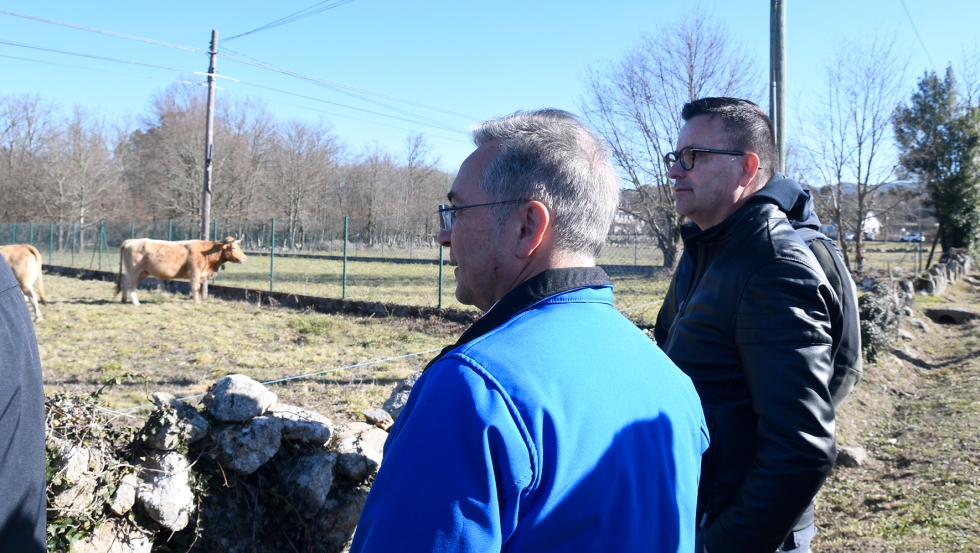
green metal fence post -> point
(74, 236)
(343, 290)
(32, 234)
(215, 230)
(272, 257)
(101, 241)
(440, 275)
(132, 229)
(13, 239)
(51, 244)
(170, 231)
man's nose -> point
(443, 237)
(676, 171)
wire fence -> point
(384, 260)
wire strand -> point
(294, 17)
(104, 32)
(91, 56)
(299, 376)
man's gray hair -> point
(549, 155)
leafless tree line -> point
(80, 168)
(843, 146)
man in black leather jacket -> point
(752, 319)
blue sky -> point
(477, 59)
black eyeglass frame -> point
(677, 156)
(447, 213)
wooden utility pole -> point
(208, 150)
(777, 76)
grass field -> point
(89, 340)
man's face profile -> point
(706, 194)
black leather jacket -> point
(752, 319)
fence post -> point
(440, 275)
(14, 237)
(74, 236)
(170, 230)
(31, 242)
(343, 290)
(272, 257)
(101, 241)
(215, 230)
(51, 244)
(132, 229)
(636, 244)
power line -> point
(440, 127)
(263, 65)
(104, 32)
(917, 35)
(305, 12)
(99, 70)
(335, 114)
(66, 52)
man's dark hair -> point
(747, 128)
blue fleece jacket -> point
(562, 429)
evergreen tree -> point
(939, 139)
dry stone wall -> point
(244, 474)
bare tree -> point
(27, 128)
(850, 145)
(635, 105)
(303, 157)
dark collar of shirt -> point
(531, 291)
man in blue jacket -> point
(552, 424)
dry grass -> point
(89, 340)
(918, 415)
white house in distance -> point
(871, 228)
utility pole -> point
(208, 150)
(777, 76)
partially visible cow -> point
(195, 260)
(25, 262)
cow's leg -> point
(32, 297)
(132, 284)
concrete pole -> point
(208, 150)
(777, 76)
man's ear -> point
(534, 219)
(750, 168)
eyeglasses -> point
(686, 156)
(447, 213)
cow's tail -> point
(40, 269)
(119, 277)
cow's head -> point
(231, 250)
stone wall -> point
(245, 473)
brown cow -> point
(25, 262)
(195, 260)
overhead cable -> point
(305, 12)
(100, 70)
(104, 32)
(335, 114)
(263, 65)
(917, 35)
(91, 56)
(413, 121)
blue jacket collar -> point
(531, 291)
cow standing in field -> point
(195, 260)
(25, 262)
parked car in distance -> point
(849, 236)
(914, 237)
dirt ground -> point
(918, 415)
